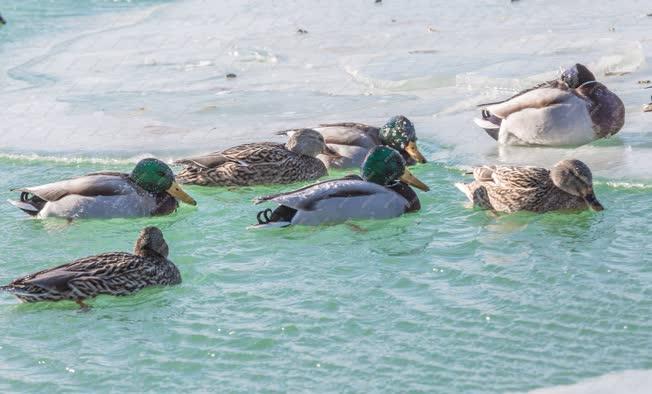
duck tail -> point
(30, 205)
(288, 132)
(8, 288)
(280, 217)
(464, 188)
(490, 123)
(191, 175)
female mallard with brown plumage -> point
(259, 163)
(116, 273)
(568, 186)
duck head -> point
(156, 177)
(150, 243)
(577, 76)
(308, 142)
(574, 177)
(385, 166)
(399, 133)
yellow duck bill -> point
(410, 179)
(178, 193)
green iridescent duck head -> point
(156, 177)
(385, 166)
(399, 133)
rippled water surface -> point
(449, 299)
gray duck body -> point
(573, 110)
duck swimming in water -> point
(381, 192)
(568, 186)
(572, 110)
(116, 273)
(351, 142)
(262, 163)
(149, 190)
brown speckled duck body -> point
(116, 273)
(258, 163)
(568, 186)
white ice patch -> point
(627, 382)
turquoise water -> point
(450, 299)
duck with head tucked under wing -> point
(381, 192)
(568, 186)
(149, 190)
(262, 163)
(349, 143)
(572, 110)
(115, 273)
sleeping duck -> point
(567, 186)
(351, 142)
(572, 110)
(262, 163)
(116, 273)
(149, 190)
(381, 192)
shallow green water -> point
(449, 299)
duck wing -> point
(513, 177)
(246, 154)
(345, 133)
(351, 134)
(95, 268)
(307, 197)
(91, 185)
(556, 83)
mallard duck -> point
(381, 192)
(350, 142)
(568, 186)
(573, 110)
(150, 189)
(116, 273)
(2, 21)
(258, 163)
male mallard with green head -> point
(116, 273)
(350, 142)
(149, 190)
(262, 163)
(572, 110)
(381, 192)
(568, 186)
